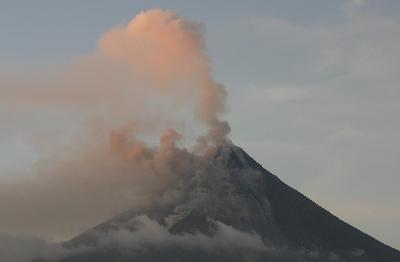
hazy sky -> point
(313, 88)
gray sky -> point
(313, 88)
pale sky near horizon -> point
(313, 87)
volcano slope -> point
(230, 209)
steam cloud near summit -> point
(150, 78)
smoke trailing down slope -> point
(150, 78)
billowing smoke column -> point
(149, 72)
(150, 77)
(168, 52)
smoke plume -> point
(148, 80)
(154, 70)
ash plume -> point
(153, 71)
(177, 57)
(148, 80)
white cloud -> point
(149, 232)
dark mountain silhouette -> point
(230, 210)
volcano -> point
(230, 209)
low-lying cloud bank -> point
(25, 249)
(151, 233)
(148, 235)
